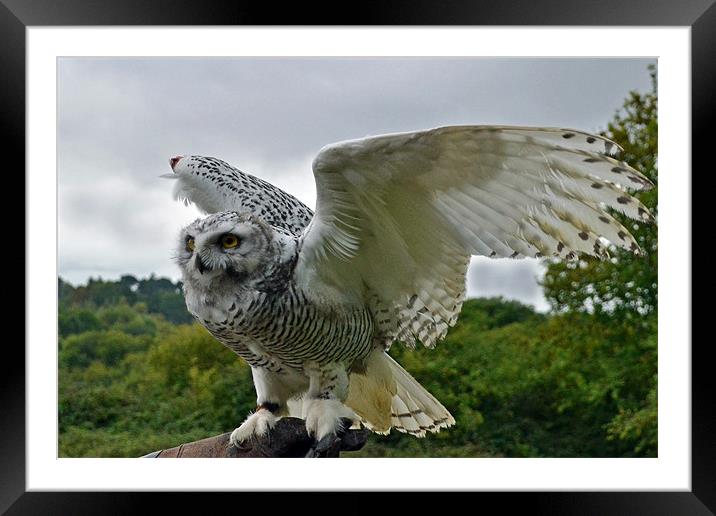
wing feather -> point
(399, 215)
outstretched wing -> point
(213, 186)
(399, 215)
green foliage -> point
(77, 320)
(563, 386)
(130, 390)
(626, 286)
(520, 384)
(623, 292)
(107, 347)
(159, 295)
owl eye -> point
(229, 241)
(190, 244)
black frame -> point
(700, 15)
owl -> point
(313, 301)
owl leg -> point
(323, 409)
(271, 397)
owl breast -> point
(287, 330)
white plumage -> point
(397, 218)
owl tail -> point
(385, 396)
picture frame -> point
(16, 16)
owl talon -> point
(327, 417)
(256, 425)
(323, 447)
(344, 425)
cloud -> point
(121, 119)
(512, 279)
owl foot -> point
(324, 417)
(257, 424)
(331, 444)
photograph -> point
(448, 247)
(394, 257)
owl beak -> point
(173, 161)
(200, 265)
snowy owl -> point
(314, 301)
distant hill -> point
(160, 295)
(136, 374)
(164, 297)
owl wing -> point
(214, 186)
(399, 215)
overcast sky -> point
(120, 120)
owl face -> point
(227, 248)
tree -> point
(622, 292)
(160, 295)
(624, 287)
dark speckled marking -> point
(591, 160)
(560, 246)
(583, 235)
(618, 170)
(568, 135)
(591, 139)
(621, 235)
(623, 200)
(604, 219)
(597, 186)
(271, 204)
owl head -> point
(226, 249)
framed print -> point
(109, 93)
